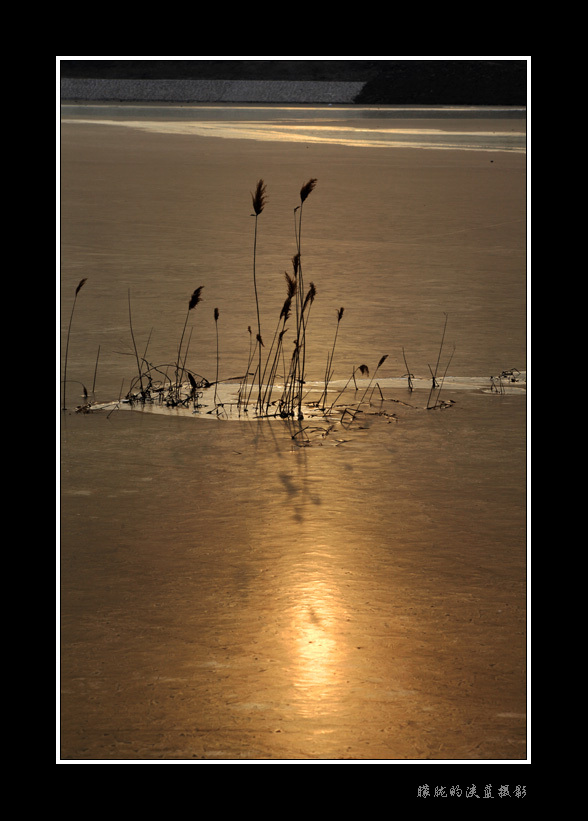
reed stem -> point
(134, 343)
(194, 300)
(245, 380)
(299, 360)
(434, 373)
(96, 370)
(328, 369)
(381, 362)
(216, 325)
(78, 289)
(363, 369)
(408, 373)
(258, 200)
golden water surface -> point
(227, 594)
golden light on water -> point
(229, 593)
(330, 134)
(314, 646)
(314, 632)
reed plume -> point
(195, 298)
(286, 307)
(258, 198)
(291, 284)
(78, 289)
(307, 189)
(309, 298)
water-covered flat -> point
(345, 580)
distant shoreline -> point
(361, 82)
(209, 91)
(393, 111)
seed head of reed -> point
(296, 263)
(309, 296)
(258, 198)
(285, 312)
(81, 285)
(364, 370)
(290, 285)
(307, 189)
(216, 314)
(195, 298)
(340, 314)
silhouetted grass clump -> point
(285, 401)
(274, 384)
(153, 383)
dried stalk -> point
(258, 200)
(78, 289)
(194, 300)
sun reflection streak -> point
(315, 642)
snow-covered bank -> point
(222, 400)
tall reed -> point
(271, 365)
(194, 300)
(96, 370)
(78, 289)
(440, 386)
(245, 379)
(216, 315)
(329, 367)
(299, 360)
(291, 403)
(258, 200)
(408, 374)
(434, 383)
(139, 368)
